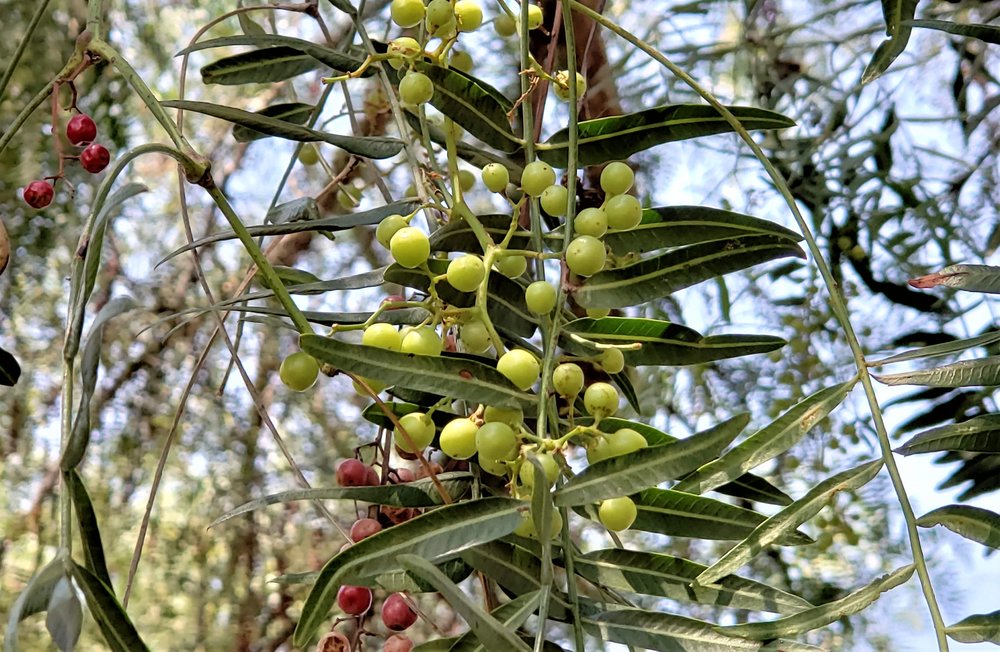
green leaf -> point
(973, 278)
(492, 634)
(457, 235)
(33, 599)
(332, 58)
(376, 147)
(944, 348)
(345, 6)
(680, 514)
(64, 616)
(816, 617)
(789, 518)
(443, 531)
(680, 226)
(979, 628)
(420, 493)
(258, 66)
(247, 24)
(619, 137)
(663, 342)
(473, 104)
(119, 632)
(755, 489)
(768, 442)
(662, 631)
(651, 573)
(626, 474)
(896, 13)
(294, 112)
(459, 378)
(657, 277)
(987, 33)
(10, 370)
(977, 435)
(512, 614)
(966, 373)
(305, 209)
(514, 569)
(401, 581)
(973, 523)
(90, 533)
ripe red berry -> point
(397, 614)
(81, 129)
(94, 158)
(38, 194)
(364, 528)
(355, 473)
(354, 600)
(397, 643)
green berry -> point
(405, 47)
(511, 266)
(423, 340)
(598, 313)
(585, 255)
(440, 19)
(617, 178)
(299, 371)
(534, 17)
(561, 86)
(537, 176)
(475, 336)
(416, 88)
(526, 528)
(504, 26)
(601, 400)
(493, 467)
(617, 514)
(407, 13)
(511, 416)
(458, 439)
(496, 441)
(466, 180)
(410, 247)
(388, 228)
(527, 472)
(469, 15)
(419, 427)
(382, 336)
(308, 155)
(622, 442)
(553, 200)
(612, 361)
(590, 221)
(520, 367)
(541, 297)
(495, 177)
(466, 273)
(624, 212)
(567, 379)
(461, 61)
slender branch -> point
(22, 45)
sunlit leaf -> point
(979, 628)
(654, 630)
(966, 373)
(977, 435)
(294, 112)
(118, 630)
(896, 14)
(974, 523)
(339, 61)
(945, 348)
(973, 278)
(816, 617)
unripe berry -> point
(520, 367)
(81, 129)
(475, 336)
(561, 86)
(535, 17)
(407, 13)
(541, 297)
(38, 194)
(495, 177)
(585, 255)
(388, 227)
(617, 178)
(504, 25)
(94, 158)
(624, 212)
(511, 266)
(397, 615)
(553, 200)
(618, 514)
(537, 176)
(416, 88)
(591, 221)
(419, 427)
(410, 247)
(466, 273)
(469, 15)
(567, 379)
(612, 361)
(461, 61)
(601, 400)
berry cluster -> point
(80, 130)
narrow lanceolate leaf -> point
(944, 348)
(756, 489)
(974, 278)
(650, 573)
(32, 600)
(294, 112)
(512, 614)
(680, 514)
(967, 373)
(768, 442)
(118, 630)
(457, 235)
(663, 342)
(10, 370)
(980, 628)
(438, 533)
(514, 569)
(303, 209)
(987, 33)
(664, 274)
(420, 493)
(258, 66)
(680, 226)
(785, 521)
(618, 137)
(376, 147)
(86, 519)
(459, 378)
(64, 616)
(816, 617)
(473, 104)
(896, 13)
(977, 435)
(974, 523)
(331, 58)
(627, 474)
(492, 634)
(655, 630)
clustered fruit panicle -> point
(80, 130)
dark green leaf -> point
(332, 58)
(973, 278)
(967, 373)
(90, 533)
(303, 209)
(619, 137)
(977, 435)
(816, 617)
(512, 614)
(294, 112)
(376, 147)
(987, 33)
(515, 570)
(945, 348)
(399, 580)
(247, 24)
(665, 632)
(974, 523)
(627, 474)
(755, 489)
(670, 577)
(64, 616)
(896, 13)
(258, 66)
(662, 275)
(980, 628)
(441, 532)
(119, 632)
(345, 6)
(457, 235)
(10, 370)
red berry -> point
(355, 473)
(94, 158)
(38, 194)
(397, 643)
(81, 129)
(397, 614)
(354, 600)
(364, 528)
(403, 476)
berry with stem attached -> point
(423, 340)
(624, 212)
(382, 336)
(535, 16)
(94, 158)
(469, 15)
(622, 442)
(591, 221)
(419, 427)
(601, 400)
(416, 88)
(511, 266)
(397, 615)
(510, 416)
(520, 367)
(553, 200)
(81, 129)
(567, 379)
(504, 26)
(585, 255)
(461, 61)
(561, 85)
(466, 273)
(299, 371)
(541, 297)
(526, 474)
(617, 178)
(537, 176)
(617, 514)
(475, 336)
(495, 177)
(353, 472)
(410, 247)
(388, 228)
(458, 439)
(496, 441)
(38, 194)
(612, 361)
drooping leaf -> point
(965, 373)
(896, 14)
(619, 137)
(331, 58)
(986, 33)
(973, 278)
(515, 570)
(376, 147)
(512, 614)
(977, 435)
(663, 342)
(816, 617)
(979, 628)
(118, 630)
(944, 348)
(90, 533)
(651, 573)
(294, 112)
(788, 519)
(662, 275)
(258, 66)
(33, 599)
(345, 6)
(492, 634)
(247, 24)
(655, 630)
(755, 489)
(444, 531)
(627, 474)
(399, 580)
(10, 370)
(768, 442)
(974, 523)
(303, 209)
(64, 616)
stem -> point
(95, 19)
(837, 304)
(22, 45)
(72, 64)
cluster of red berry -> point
(81, 130)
